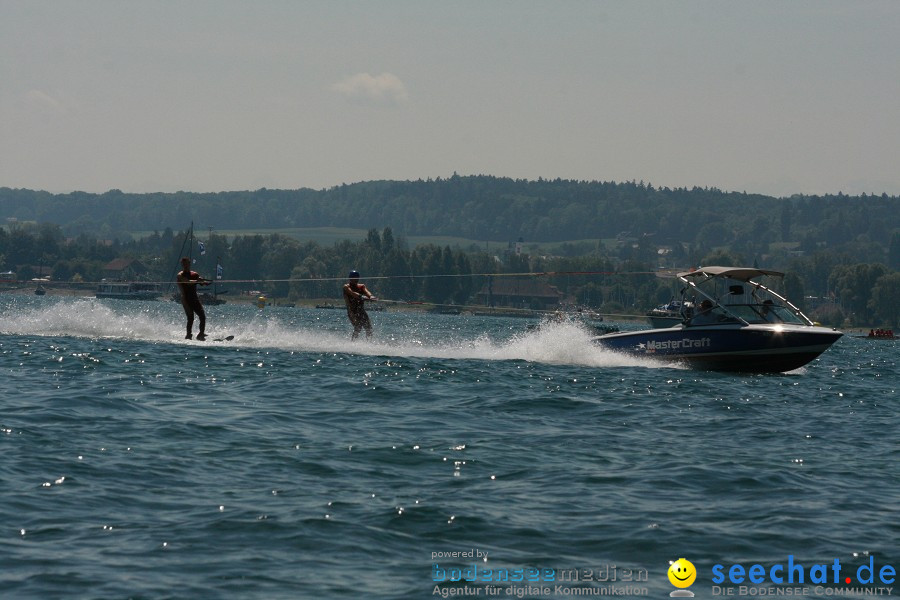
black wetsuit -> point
(190, 301)
(356, 311)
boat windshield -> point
(765, 313)
(712, 316)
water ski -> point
(224, 339)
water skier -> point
(187, 282)
(355, 295)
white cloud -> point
(384, 89)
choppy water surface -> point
(294, 463)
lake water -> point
(294, 463)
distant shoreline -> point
(70, 290)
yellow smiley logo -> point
(682, 573)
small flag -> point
(218, 271)
(202, 248)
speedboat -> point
(734, 324)
(666, 315)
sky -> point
(772, 97)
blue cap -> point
(353, 275)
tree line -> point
(484, 207)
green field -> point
(328, 236)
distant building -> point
(520, 293)
(125, 269)
(40, 271)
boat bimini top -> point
(739, 273)
(738, 299)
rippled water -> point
(294, 463)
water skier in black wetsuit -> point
(187, 282)
(355, 293)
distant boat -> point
(669, 314)
(879, 334)
(327, 306)
(40, 290)
(133, 290)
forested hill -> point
(483, 208)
